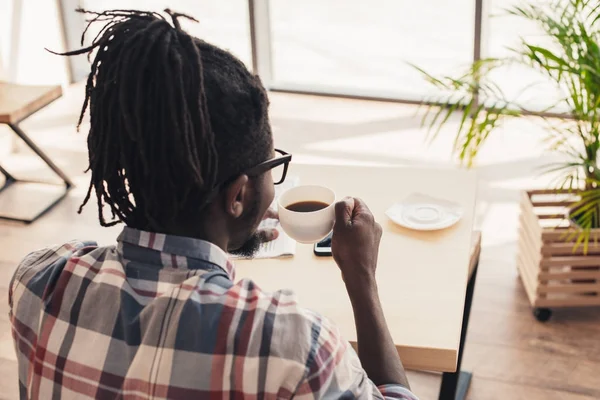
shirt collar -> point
(176, 251)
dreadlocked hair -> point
(171, 116)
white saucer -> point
(424, 213)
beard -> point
(249, 247)
(252, 244)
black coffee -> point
(307, 206)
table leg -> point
(455, 384)
(41, 154)
(7, 175)
(18, 204)
(8, 179)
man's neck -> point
(210, 231)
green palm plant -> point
(571, 61)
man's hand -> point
(355, 241)
(266, 235)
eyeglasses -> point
(278, 166)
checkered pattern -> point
(158, 316)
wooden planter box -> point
(553, 271)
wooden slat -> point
(570, 288)
(568, 249)
(554, 224)
(551, 216)
(527, 284)
(525, 230)
(581, 268)
(541, 191)
(530, 248)
(530, 256)
(560, 235)
(521, 269)
(525, 249)
(525, 255)
(567, 235)
(529, 217)
(530, 221)
(542, 200)
(570, 301)
(548, 192)
(550, 203)
(529, 271)
(570, 261)
(529, 267)
(550, 275)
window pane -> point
(5, 37)
(366, 45)
(22, 54)
(223, 23)
(529, 88)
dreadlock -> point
(171, 116)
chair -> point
(20, 200)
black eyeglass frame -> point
(283, 158)
(265, 166)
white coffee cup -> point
(307, 227)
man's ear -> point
(235, 196)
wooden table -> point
(422, 276)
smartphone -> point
(323, 248)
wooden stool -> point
(456, 384)
(20, 200)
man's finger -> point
(360, 207)
(271, 213)
(344, 210)
(266, 235)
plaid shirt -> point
(158, 316)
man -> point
(181, 151)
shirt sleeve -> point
(39, 262)
(334, 371)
